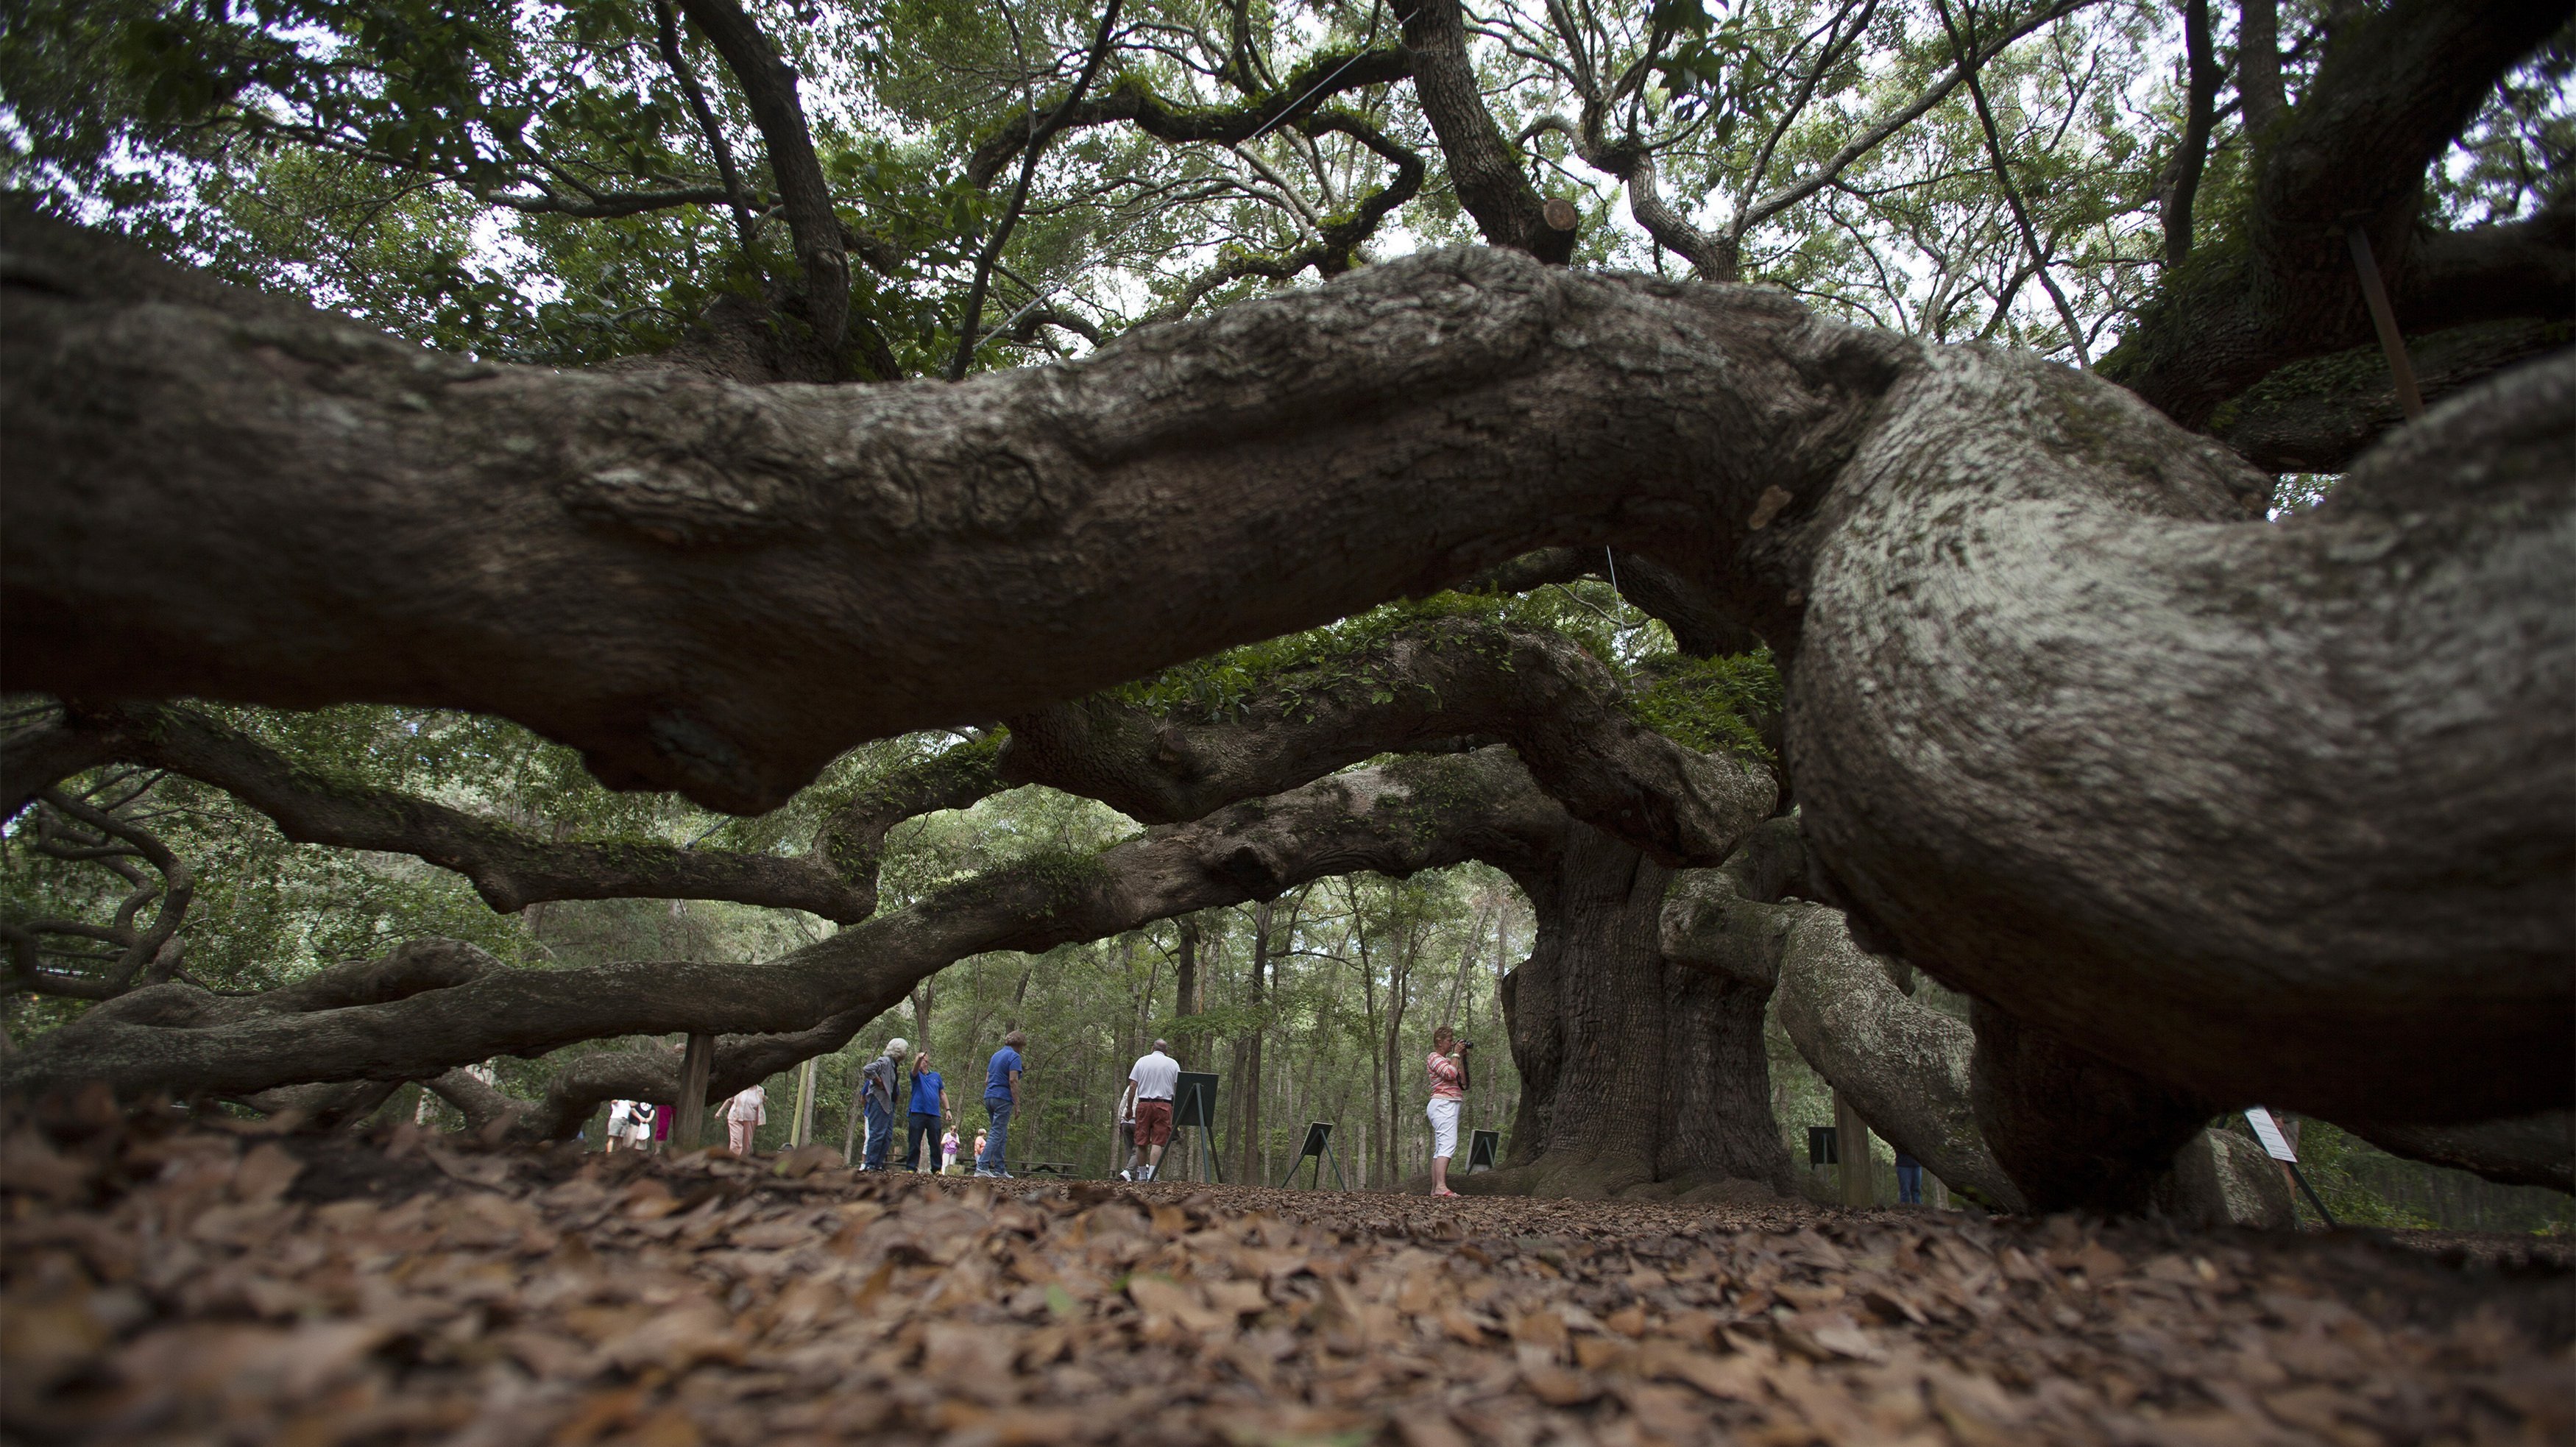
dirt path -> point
(184, 1284)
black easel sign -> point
(1319, 1144)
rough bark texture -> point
(1902, 1066)
(2221, 1178)
(2138, 773)
(1484, 168)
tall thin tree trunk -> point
(1256, 996)
(1187, 1045)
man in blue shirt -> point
(1001, 1098)
(929, 1109)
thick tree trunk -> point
(1633, 1072)
(2074, 1131)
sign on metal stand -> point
(1194, 1107)
(1484, 1151)
(1319, 1144)
(2277, 1146)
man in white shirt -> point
(1149, 1091)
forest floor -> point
(176, 1283)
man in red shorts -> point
(1149, 1089)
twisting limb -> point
(1337, 239)
(432, 1004)
(2530, 1150)
(1434, 681)
(1312, 85)
(510, 867)
(1963, 43)
(136, 953)
(719, 588)
(1904, 1066)
(1484, 167)
(1758, 210)
(2393, 88)
(628, 502)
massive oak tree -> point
(2203, 809)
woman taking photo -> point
(1447, 1068)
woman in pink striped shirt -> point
(1448, 1071)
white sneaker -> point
(1126, 1175)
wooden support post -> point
(2384, 318)
(1851, 1143)
(689, 1132)
(803, 1130)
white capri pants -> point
(1444, 1126)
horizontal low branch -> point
(718, 588)
(510, 867)
(434, 1004)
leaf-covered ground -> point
(177, 1283)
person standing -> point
(1001, 1102)
(1909, 1180)
(1150, 1083)
(663, 1116)
(640, 1120)
(877, 1083)
(1447, 1068)
(948, 1152)
(978, 1156)
(621, 1119)
(929, 1108)
(745, 1114)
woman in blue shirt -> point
(929, 1110)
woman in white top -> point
(748, 1112)
(621, 1121)
(639, 1130)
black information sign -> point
(1195, 1105)
(1319, 1144)
(1820, 1147)
(1484, 1151)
